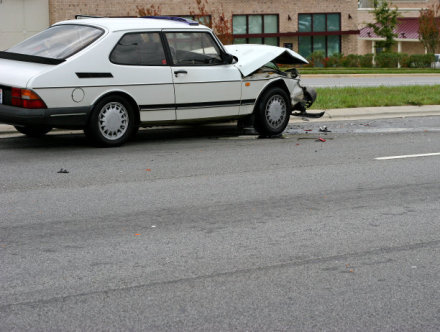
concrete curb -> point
(364, 113)
(341, 114)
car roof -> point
(122, 24)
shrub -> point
(421, 60)
(316, 59)
(334, 60)
(404, 60)
(366, 60)
(387, 60)
(351, 60)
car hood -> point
(252, 57)
(18, 73)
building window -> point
(316, 28)
(255, 29)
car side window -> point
(193, 49)
(139, 49)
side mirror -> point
(228, 58)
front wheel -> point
(273, 112)
(112, 122)
(33, 131)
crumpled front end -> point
(257, 62)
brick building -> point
(332, 26)
(406, 30)
(304, 25)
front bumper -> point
(65, 117)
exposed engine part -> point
(309, 96)
(307, 101)
(293, 72)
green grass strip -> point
(335, 71)
(350, 97)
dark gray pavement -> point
(199, 229)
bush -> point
(382, 60)
(421, 60)
(316, 59)
(351, 60)
(387, 60)
(404, 60)
(366, 61)
(334, 60)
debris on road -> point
(324, 129)
(63, 171)
(321, 139)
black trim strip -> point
(30, 58)
(94, 75)
(209, 104)
(209, 82)
(248, 102)
(159, 107)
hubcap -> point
(113, 120)
(276, 111)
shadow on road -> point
(77, 139)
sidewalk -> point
(341, 114)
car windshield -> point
(58, 42)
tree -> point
(149, 11)
(217, 21)
(429, 32)
(386, 22)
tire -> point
(33, 131)
(272, 113)
(112, 122)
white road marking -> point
(409, 156)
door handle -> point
(180, 72)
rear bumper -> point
(66, 117)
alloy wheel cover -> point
(276, 111)
(113, 120)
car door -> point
(143, 70)
(205, 87)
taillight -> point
(26, 98)
(16, 97)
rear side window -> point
(139, 49)
(193, 48)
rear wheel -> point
(33, 131)
(273, 112)
(112, 122)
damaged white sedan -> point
(110, 76)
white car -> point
(110, 76)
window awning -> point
(407, 29)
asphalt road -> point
(323, 81)
(203, 229)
